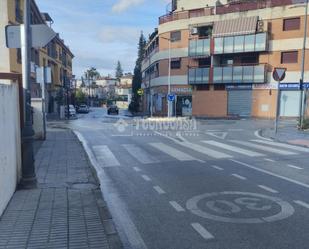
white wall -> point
(10, 145)
(38, 125)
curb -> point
(111, 232)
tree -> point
(80, 97)
(137, 78)
(119, 71)
(92, 74)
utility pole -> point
(28, 169)
(303, 99)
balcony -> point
(199, 48)
(241, 44)
(199, 76)
(251, 74)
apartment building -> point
(223, 54)
(55, 55)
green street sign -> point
(140, 92)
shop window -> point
(289, 57)
(291, 24)
(176, 63)
(175, 36)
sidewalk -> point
(288, 133)
(66, 210)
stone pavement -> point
(288, 133)
(66, 210)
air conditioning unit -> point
(194, 31)
(262, 27)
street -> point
(220, 185)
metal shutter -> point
(240, 103)
(289, 103)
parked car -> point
(72, 111)
(83, 109)
(113, 109)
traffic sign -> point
(171, 97)
(41, 35)
(140, 92)
(279, 74)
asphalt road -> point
(210, 184)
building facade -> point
(222, 58)
(55, 55)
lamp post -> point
(169, 75)
(28, 169)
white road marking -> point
(260, 137)
(234, 149)
(137, 169)
(268, 189)
(139, 154)
(159, 190)
(287, 146)
(271, 173)
(293, 166)
(239, 177)
(269, 160)
(264, 148)
(176, 206)
(202, 231)
(217, 167)
(303, 204)
(198, 148)
(146, 178)
(105, 156)
(179, 155)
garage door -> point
(240, 103)
(289, 103)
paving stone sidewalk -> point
(66, 210)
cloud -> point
(123, 5)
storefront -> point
(239, 100)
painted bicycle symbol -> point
(240, 207)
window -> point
(291, 24)
(219, 45)
(176, 63)
(18, 12)
(175, 36)
(219, 87)
(289, 57)
(228, 44)
(18, 55)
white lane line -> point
(105, 156)
(257, 134)
(146, 178)
(217, 167)
(137, 169)
(179, 155)
(249, 153)
(303, 204)
(268, 189)
(139, 154)
(269, 160)
(159, 190)
(264, 148)
(239, 177)
(287, 146)
(271, 173)
(294, 166)
(202, 231)
(176, 206)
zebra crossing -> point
(158, 152)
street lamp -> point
(169, 75)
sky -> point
(101, 32)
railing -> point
(229, 8)
(239, 74)
(241, 44)
(199, 76)
(199, 48)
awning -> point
(239, 26)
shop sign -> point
(289, 86)
(239, 87)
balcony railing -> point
(199, 76)
(229, 8)
(239, 74)
(241, 44)
(199, 48)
